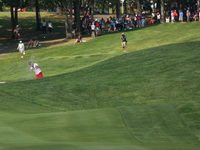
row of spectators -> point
(179, 16)
(137, 20)
(113, 24)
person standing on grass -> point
(175, 16)
(16, 32)
(93, 30)
(158, 17)
(180, 16)
(167, 18)
(142, 19)
(124, 42)
(50, 27)
(20, 48)
(188, 14)
(44, 25)
(172, 16)
(138, 20)
(36, 68)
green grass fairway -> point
(104, 126)
(95, 97)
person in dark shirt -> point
(124, 42)
(79, 39)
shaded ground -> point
(10, 45)
(7, 46)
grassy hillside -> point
(94, 96)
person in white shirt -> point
(50, 27)
(44, 24)
(93, 30)
(172, 16)
(20, 48)
(158, 17)
(36, 68)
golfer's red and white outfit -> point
(37, 71)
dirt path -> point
(10, 45)
(62, 42)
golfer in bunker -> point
(36, 68)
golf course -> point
(96, 97)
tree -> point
(11, 4)
(94, 6)
(86, 7)
(117, 8)
(16, 11)
(37, 15)
(68, 18)
(12, 18)
(162, 10)
(77, 15)
(138, 5)
(198, 4)
(125, 9)
(103, 6)
(1, 5)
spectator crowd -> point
(96, 27)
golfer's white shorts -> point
(21, 51)
(123, 44)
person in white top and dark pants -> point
(50, 27)
(44, 26)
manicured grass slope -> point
(67, 59)
(151, 95)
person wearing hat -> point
(124, 42)
(21, 49)
(36, 68)
(158, 17)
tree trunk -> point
(12, 19)
(71, 21)
(162, 10)
(117, 8)
(69, 29)
(68, 20)
(68, 35)
(77, 15)
(158, 5)
(125, 9)
(37, 15)
(94, 7)
(103, 6)
(60, 10)
(138, 6)
(16, 12)
(198, 4)
(88, 6)
(113, 9)
(1, 6)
